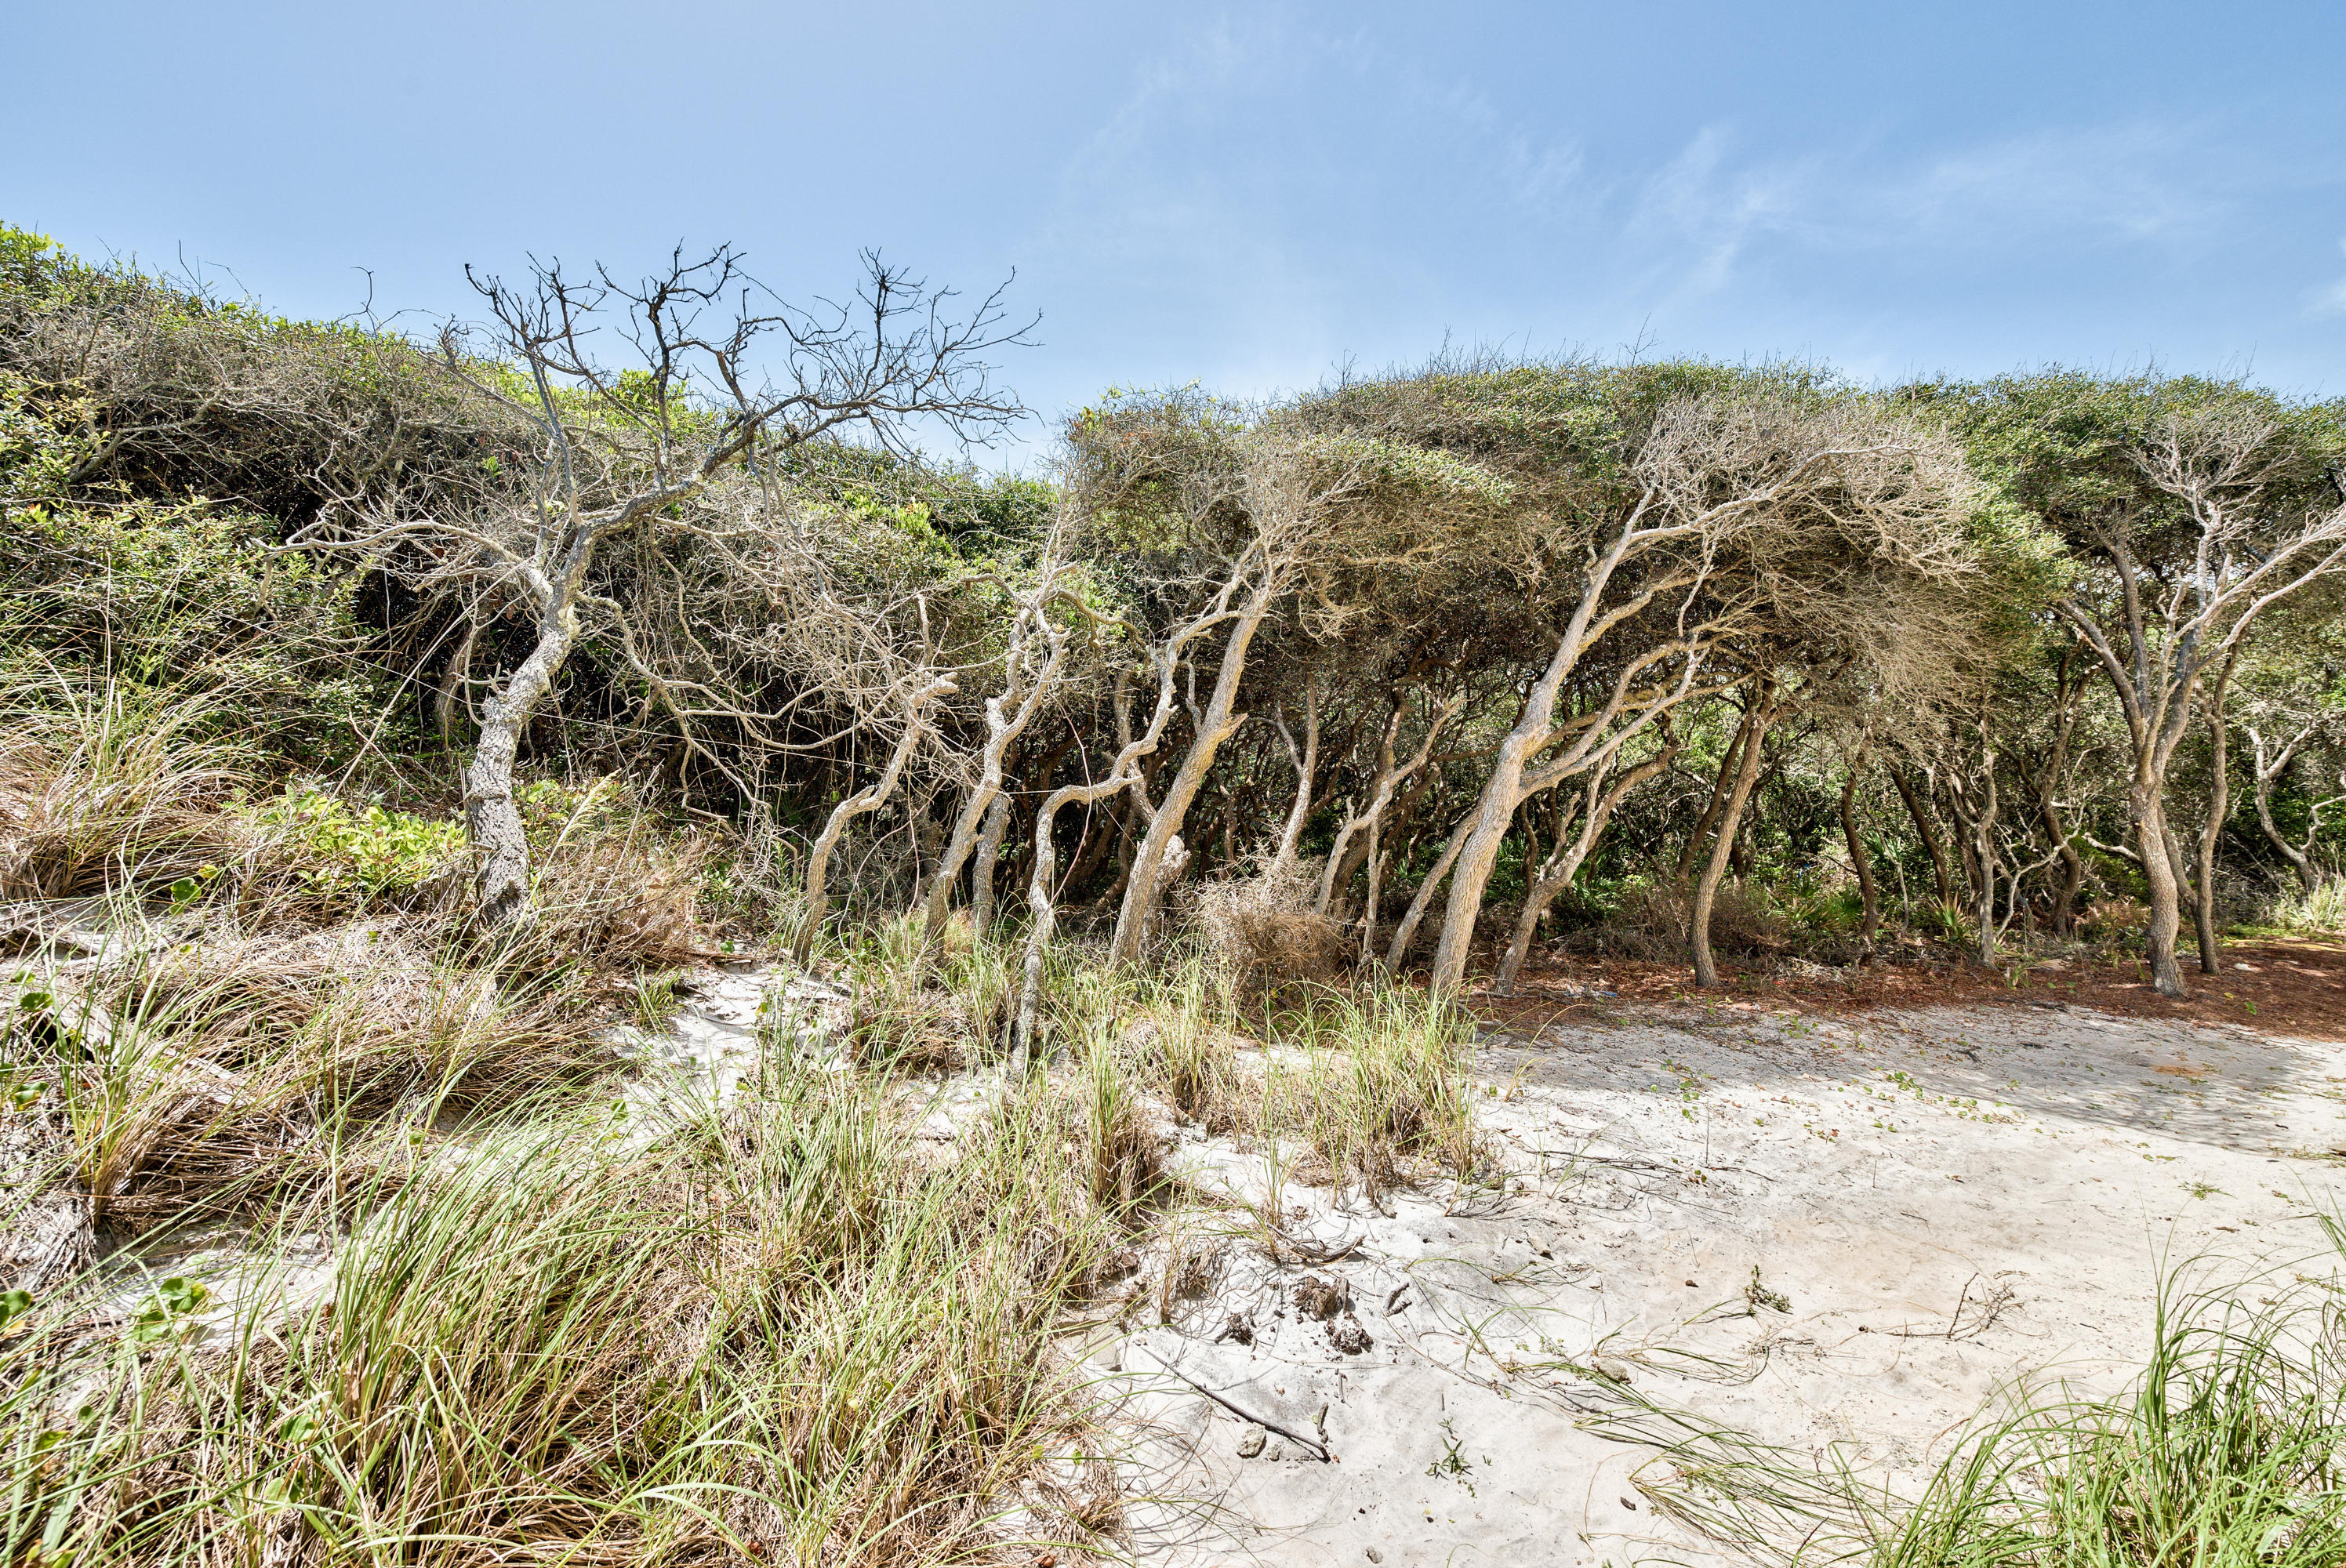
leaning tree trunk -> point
(2159, 873)
(1003, 733)
(1406, 933)
(1477, 846)
(980, 872)
(1369, 916)
(2298, 861)
(1038, 934)
(1859, 859)
(1039, 898)
(2072, 864)
(1706, 891)
(1146, 878)
(866, 800)
(1984, 853)
(1929, 835)
(492, 819)
(2219, 801)
(1729, 764)
(1305, 762)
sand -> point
(1945, 1200)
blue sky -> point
(1252, 196)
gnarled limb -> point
(866, 800)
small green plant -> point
(1453, 1463)
(2319, 913)
(175, 1300)
(190, 889)
(655, 999)
(1757, 1295)
(371, 850)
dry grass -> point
(1652, 922)
(771, 1335)
(546, 1330)
(1261, 931)
(106, 789)
(229, 1074)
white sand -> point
(1949, 1198)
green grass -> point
(2320, 913)
(2227, 1451)
(559, 1340)
(1386, 1085)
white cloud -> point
(1702, 215)
(2330, 300)
(2134, 181)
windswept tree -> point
(2292, 710)
(1224, 521)
(2190, 510)
(1691, 519)
(663, 448)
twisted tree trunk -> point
(1565, 864)
(866, 800)
(981, 872)
(1861, 860)
(2219, 801)
(1706, 891)
(492, 819)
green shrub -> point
(369, 850)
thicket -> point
(1642, 655)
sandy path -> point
(1947, 1197)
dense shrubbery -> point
(1391, 561)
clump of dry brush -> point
(208, 972)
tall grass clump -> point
(1187, 1052)
(921, 1006)
(1384, 1083)
(229, 1072)
(773, 1334)
(2320, 913)
(2229, 1448)
(112, 785)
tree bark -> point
(2267, 773)
(455, 683)
(1003, 731)
(1477, 847)
(1729, 764)
(1861, 859)
(1369, 916)
(492, 819)
(980, 872)
(1984, 851)
(2159, 874)
(2219, 801)
(1122, 775)
(1925, 830)
(1406, 933)
(1306, 765)
(1706, 891)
